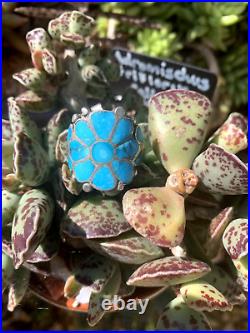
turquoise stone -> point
(103, 149)
(102, 152)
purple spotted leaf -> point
(80, 23)
(6, 130)
(7, 155)
(50, 62)
(202, 296)
(93, 271)
(232, 133)
(178, 122)
(20, 121)
(235, 238)
(63, 198)
(31, 222)
(216, 228)
(31, 78)
(129, 249)
(30, 161)
(95, 217)
(10, 202)
(95, 311)
(7, 270)
(70, 183)
(18, 286)
(73, 40)
(156, 213)
(168, 271)
(177, 316)
(61, 148)
(221, 172)
(34, 102)
(59, 25)
(226, 285)
(56, 125)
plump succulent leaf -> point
(156, 213)
(35, 102)
(31, 78)
(177, 316)
(30, 161)
(6, 130)
(202, 296)
(7, 270)
(95, 311)
(62, 147)
(59, 25)
(32, 219)
(129, 249)
(225, 284)
(10, 202)
(235, 238)
(69, 181)
(56, 125)
(178, 122)
(50, 62)
(221, 172)
(18, 286)
(95, 217)
(7, 156)
(20, 121)
(168, 271)
(242, 271)
(80, 23)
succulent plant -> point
(171, 234)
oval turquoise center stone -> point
(102, 152)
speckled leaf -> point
(50, 62)
(225, 284)
(221, 172)
(178, 123)
(21, 122)
(242, 271)
(9, 205)
(31, 222)
(30, 161)
(59, 25)
(69, 181)
(62, 147)
(18, 287)
(156, 213)
(130, 249)
(6, 130)
(235, 238)
(95, 217)
(7, 270)
(7, 156)
(31, 78)
(63, 198)
(38, 39)
(231, 135)
(10, 181)
(96, 312)
(216, 228)
(55, 126)
(177, 316)
(202, 296)
(93, 271)
(73, 40)
(167, 271)
(80, 23)
(34, 102)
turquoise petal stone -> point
(127, 150)
(123, 170)
(83, 170)
(103, 180)
(102, 152)
(69, 134)
(84, 133)
(103, 123)
(78, 151)
(123, 131)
